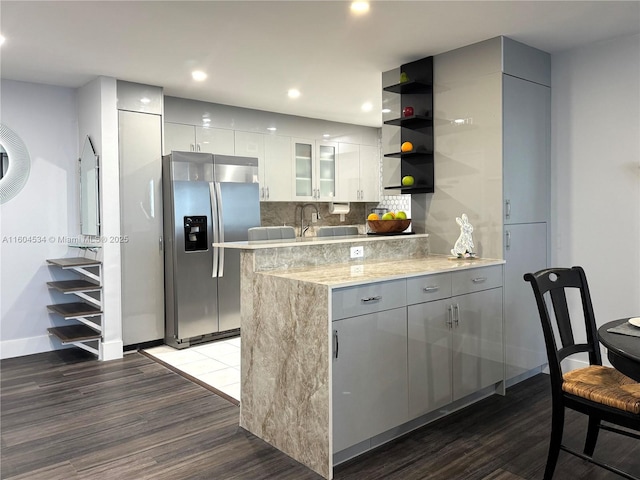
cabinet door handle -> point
(192, 147)
(449, 321)
(371, 299)
(507, 211)
(508, 241)
(160, 243)
(262, 193)
(431, 288)
(456, 309)
(336, 343)
(197, 147)
(479, 279)
(267, 193)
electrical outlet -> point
(357, 269)
(357, 252)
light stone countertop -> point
(301, 241)
(358, 273)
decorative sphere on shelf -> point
(406, 147)
(407, 181)
(407, 111)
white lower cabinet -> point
(369, 376)
(477, 341)
(455, 349)
(404, 348)
(430, 357)
(525, 251)
(455, 343)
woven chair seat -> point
(604, 385)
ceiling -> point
(254, 51)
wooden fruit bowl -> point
(389, 226)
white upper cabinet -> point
(526, 147)
(276, 170)
(315, 169)
(215, 140)
(369, 173)
(358, 173)
(249, 144)
(348, 172)
(179, 137)
(190, 138)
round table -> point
(623, 351)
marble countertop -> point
(301, 241)
(357, 273)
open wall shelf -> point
(417, 93)
(87, 334)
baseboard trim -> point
(111, 350)
(22, 347)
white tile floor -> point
(215, 363)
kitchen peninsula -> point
(340, 355)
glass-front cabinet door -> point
(303, 158)
(315, 168)
(326, 170)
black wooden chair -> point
(602, 393)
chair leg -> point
(592, 435)
(557, 427)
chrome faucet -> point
(303, 229)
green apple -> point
(401, 215)
(407, 181)
(387, 216)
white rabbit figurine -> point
(464, 244)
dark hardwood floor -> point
(67, 416)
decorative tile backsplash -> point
(274, 214)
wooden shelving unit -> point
(87, 334)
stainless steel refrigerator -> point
(207, 199)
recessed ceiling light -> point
(293, 93)
(386, 110)
(206, 120)
(272, 129)
(326, 135)
(145, 100)
(366, 107)
(359, 7)
(198, 75)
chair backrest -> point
(337, 231)
(551, 286)
(270, 233)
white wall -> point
(596, 171)
(46, 209)
(98, 118)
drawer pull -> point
(431, 288)
(336, 344)
(371, 299)
(479, 279)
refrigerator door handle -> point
(213, 199)
(220, 228)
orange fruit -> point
(406, 147)
(373, 216)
